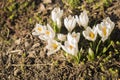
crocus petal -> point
(77, 20)
(39, 29)
(56, 13)
(61, 37)
(48, 34)
(53, 46)
(69, 48)
(109, 23)
(59, 23)
(90, 34)
(52, 33)
(84, 19)
(35, 33)
(73, 38)
(70, 23)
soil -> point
(23, 57)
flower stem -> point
(98, 46)
(55, 27)
(107, 47)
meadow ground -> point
(23, 57)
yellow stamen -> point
(92, 35)
(40, 29)
(54, 45)
(104, 31)
(70, 46)
(74, 35)
(47, 32)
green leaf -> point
(104, 49)
(91, 54)
(11, 17)
(97, 48)
(118, 43)
(55, 28)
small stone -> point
(17, 42)
(42, 7)
(16, 72)
(31, 54)
(26, 44)
(47, 1)
(36, 45)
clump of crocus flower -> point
(69, 42)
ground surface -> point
(23, 57)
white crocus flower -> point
(90, 34)
(39, 29)
(70, 48)
(48, 33)
(52, 47)
(109, 23)
(61, 37)
(56, 15)
(82, 19)
(73, 38)
(70, 23)
(105, 28)
(103, 31)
